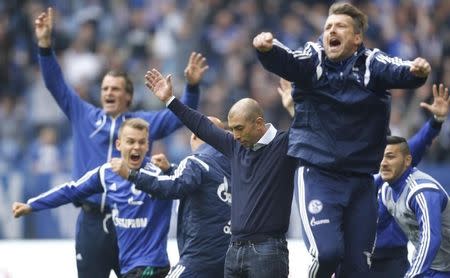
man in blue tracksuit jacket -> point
(94, 131)
(420, 206)
(390, 258)
(141, 221)
(342, 109)
(200, 182)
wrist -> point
(439, 119)
(132, 175)
(169, 100)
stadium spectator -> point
(339, 133)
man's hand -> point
(420, 67)
(161, 161)
(441, 102)
(160, 86)
(195, 68)
(119, 166)
(19, 209)
(285, 90)
(43, 26)
(263, 42)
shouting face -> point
(339, 38)
(133, 146)
(114, 98)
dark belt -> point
(254, 240)
(88, 208)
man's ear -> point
(260, 122)
(408, 160)
(118, 144)
(358, 38)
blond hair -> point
(135, 123)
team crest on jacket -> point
(315, 206)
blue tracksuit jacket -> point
(94, 133)
(141, 221)
(201, 183)
(341, 108)
(389, 234)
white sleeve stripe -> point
(417, 187)
(419, 260)
(182, 166)
(392, 60)
(103, 183)
(67, 184)
(279, 44)
(368, 60)
(148, 173)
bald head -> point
(217, 122)
(246, 121)
(247, 108)
(196, 142)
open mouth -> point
(334, 43)
(110, 101)
(135, 157)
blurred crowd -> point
(93, 36)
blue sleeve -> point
(69, 192)
(295, 66)
(427, 205)
(391, 73)
(186, 179)
(422, 139)
(200, 125)
(65, 96)
(164, 122)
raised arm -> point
(66, 97)
(195, 121)
(424, 137)
(295, 66)
(285, 92)
(387, 72)
(164, 122)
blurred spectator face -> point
(339, 37)
(115, 99)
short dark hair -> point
(360, 20)
(395, 140)
(128, 83)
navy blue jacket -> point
(342, 109)
(201, 184)
(261, 180)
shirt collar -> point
(266, 138)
